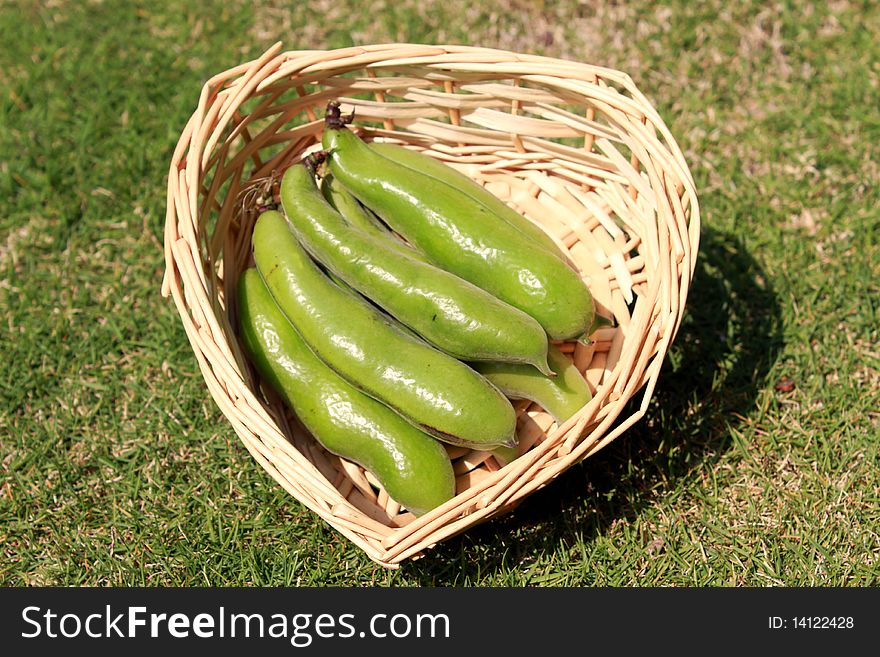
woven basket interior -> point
(575, 148)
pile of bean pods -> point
(396, 305)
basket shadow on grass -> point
(728, 341)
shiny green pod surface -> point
(411, 465)
(562, 395)
(462, 236)
(452, 314)
(434, 391)
(443, 172)
(357, 215)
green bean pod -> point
(434, 391)
(412, 466)
(562, 395)
(357, 215)
(437, 169)
(461, 235)
(455, 316)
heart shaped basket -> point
(575, 148)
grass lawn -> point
(758, 462)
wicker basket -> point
(576, 148)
